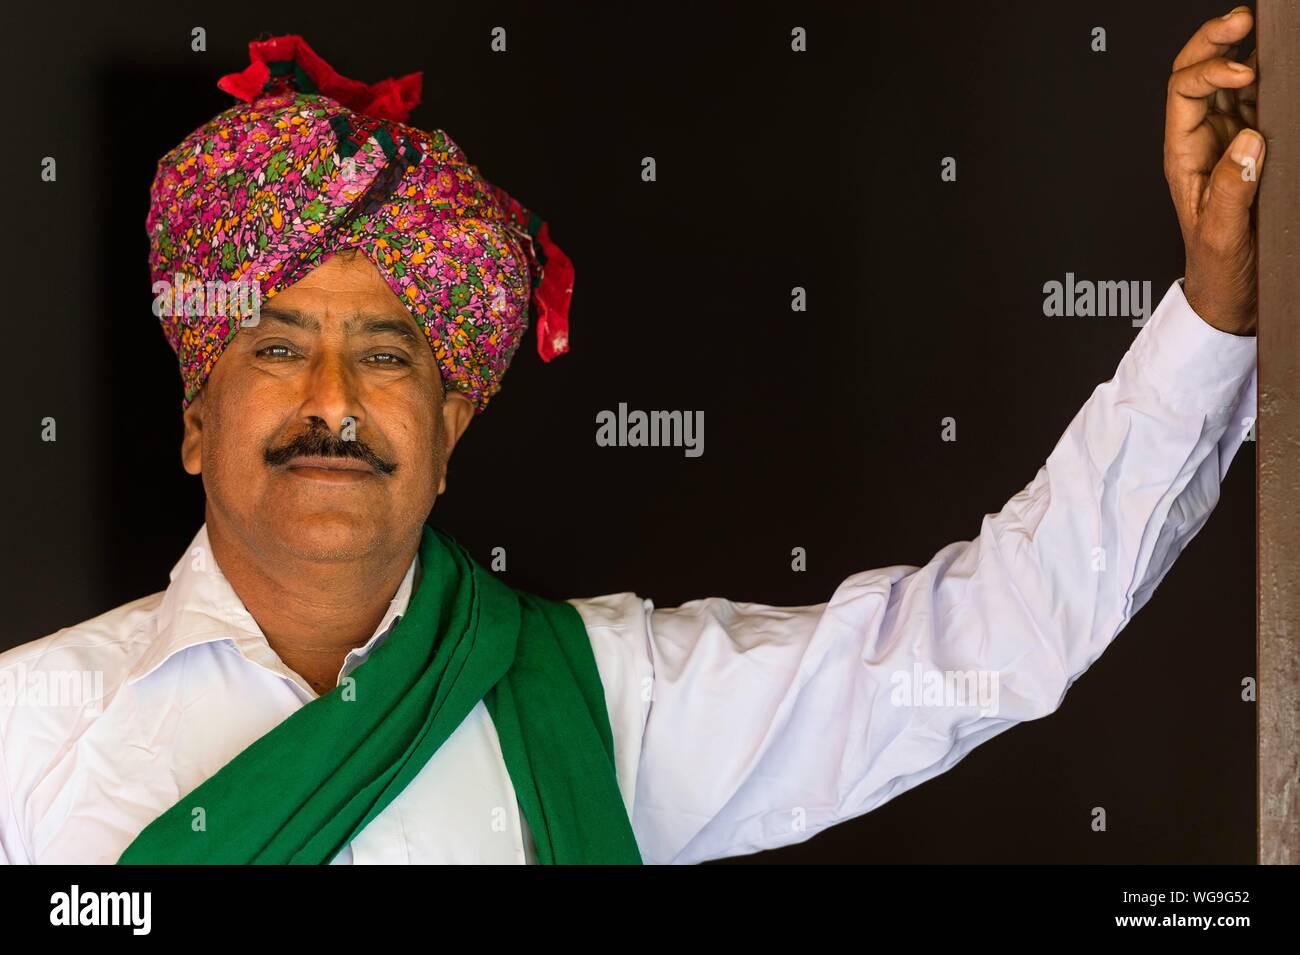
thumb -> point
(1233, 182)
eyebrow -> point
(356, 325)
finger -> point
(1251, 89)
(1215, 37)
(1226, 100)
(1225, 127)
(1225, 218)
(1248, 94)
(1190, 90)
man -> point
(328, 680)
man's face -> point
(322, 432)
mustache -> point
(320, 442)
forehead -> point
(349, 272)
(343, 290)
(342, 284)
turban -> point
(310, 163)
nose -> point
(332, 393)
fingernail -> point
(1234, 11)
(1239, 67)
(1248, 145)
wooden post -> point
(1278, 435)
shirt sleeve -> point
(9, 852)
(741, 727)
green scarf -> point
(306, 789)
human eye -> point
(266, 351)
(386, 358)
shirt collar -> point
(200, 606)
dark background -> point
(822, 429)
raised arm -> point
(764, 725)
(740, 727)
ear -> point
(457, 413)
(192, 440)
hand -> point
(1213, 161)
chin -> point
(330, 535)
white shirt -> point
(737, 726)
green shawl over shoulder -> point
(304, 790)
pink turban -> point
(312, 162)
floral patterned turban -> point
(311, 163)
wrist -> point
(1229, 320)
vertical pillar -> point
(1278, 435)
